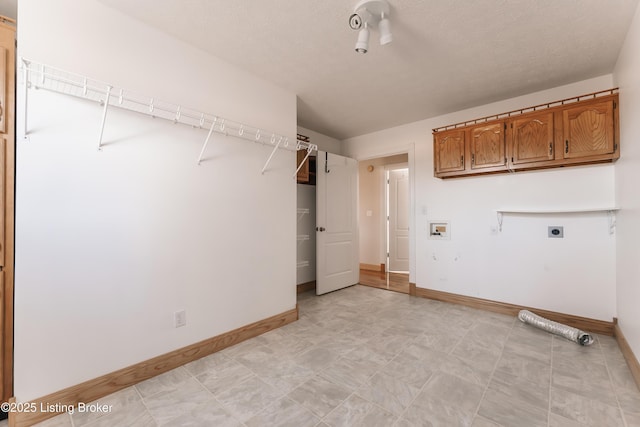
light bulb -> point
(362, 45)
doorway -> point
(383, 200)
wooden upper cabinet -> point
(487, 146)
(532, 138)
(563, 133)
(589, 130)
(448, 151)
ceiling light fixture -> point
(362, 45)
(369, 14)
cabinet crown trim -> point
(540, 107)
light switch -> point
(369, 213)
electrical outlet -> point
(180, 318)
(555, 231)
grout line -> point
(550, 381)
(613, 386)
(144, 403)
(495, 367)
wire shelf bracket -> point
(40, 76)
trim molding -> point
(592, 325)
(96, 388)
(372, 267)
(304, 287)
(632, 360)
(412, 289)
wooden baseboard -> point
(588, 325)
(304, 287)
(107, 384)
(632, 360)
(412, 289)
(372, 267)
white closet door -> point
(336, 222)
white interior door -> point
(337, 257)
(398, 214)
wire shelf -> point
(41, 76)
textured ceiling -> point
(445, 56)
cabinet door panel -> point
(588, 130)
(487, 146)
(449, 151)
(533, 138)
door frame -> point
(8, 40)
(410, 151)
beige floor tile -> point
(121, 405)
(207, 413)
(169, 404)
(163, 382)
(246, 399)
(319, 395)
(479, 421)
(284, 413)
(357, 412)
(521, 388)
(583, 410)
(224, 375)
(508, 411)
(388, 392)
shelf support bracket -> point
(206, 141)
(309, 150)
(500, 219)
(272, 152)
(104, 116)
(612, 222)
(27, 83)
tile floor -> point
(369, 357)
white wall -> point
(520, 265)
(109, 244)
(627, 176)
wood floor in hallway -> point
(397, 282)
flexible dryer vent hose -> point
(573, 334)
